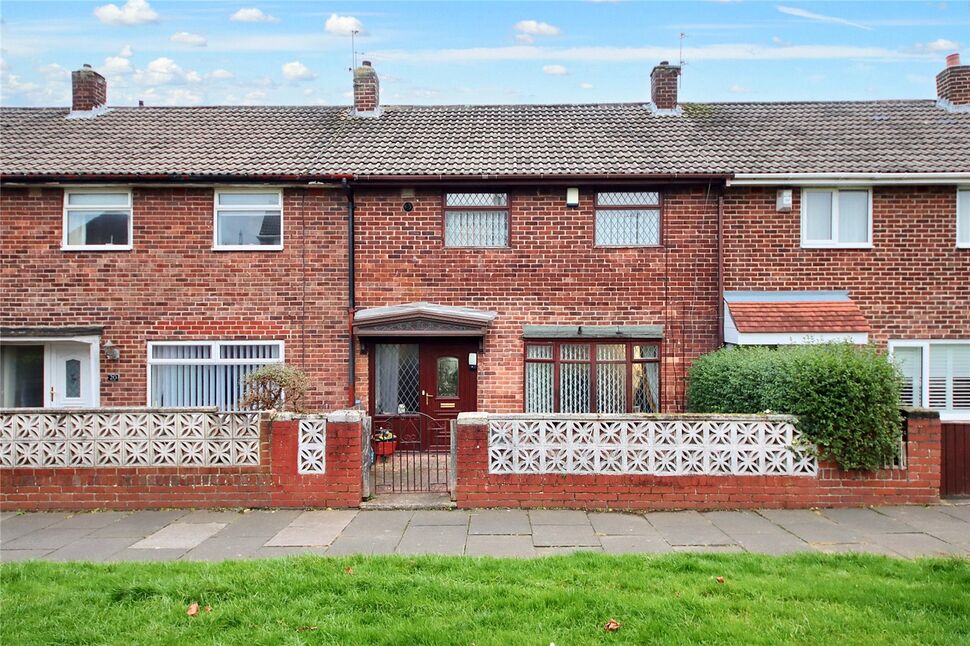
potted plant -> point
(385, 443)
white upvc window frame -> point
(257, 207)
(214, 356)
(834, 243)
(924, 346)
(91, 207)
(965, 216)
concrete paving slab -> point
(687, 528)
(709, 549)
(179, 536)
(619, 524)
(281, 552)
(813, 527)
(46, 539)
(925, 518)
(220, 548)
(780, 516)
(437, 517)
(775, 544)
(346, 545)
(958, 538)
(433, 539)
(18, 525)
(139, 524)
(564, 536)
(915, 545)
(378, 521)
(558, 517)
(226, 517)
(632, 544)
(265, 523)
(148, 555)
(741, 522)
(91, 520)
(961, 512)
(313, 528)
(7, 514)
(854, 548)
(500, 545)
(9, 556)
(866, 521)
(90, 549)
(499, 522)
(565, 550)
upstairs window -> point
(592, 377)
(936, 374)
(205, 373)
(836, 218)
(97, 220)
(249, 220)
(476, 220)
(628, 219)
(963, 218)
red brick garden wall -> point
(919, 483)
(551, 274)
(273, 483)
(914, 283)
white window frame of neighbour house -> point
(214, 359)
(963, 217)
(216, 209)
(68, 192)
(471, 209)
(925, 347)
(834, 242)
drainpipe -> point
(351, 299)
(720, 269)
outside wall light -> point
(783, 201)
(111, 351)
(473, 361)
(572, 197)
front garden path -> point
(217, 535)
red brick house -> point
(419, 259)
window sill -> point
(812, 245)
(628, 246)
(954, 416)
(249, 248)
(105, 247)
(504, 248)
(963, 245)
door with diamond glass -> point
(448, 387)
(70, 376)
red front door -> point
(448, 387)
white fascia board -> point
(798, 338)
(846, 179)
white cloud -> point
(525, 39)
(555, 70)
(586, 86)
(52, 88)
(297, 71)
(343, 25)
(115, 66)
(738, 89)
(817, 17)
(938, 46)
(778, 40)
(171, 96)
(536, 28)
(133, 12)
(165, 71)
(221, 74)
(252, 14)
(126, 51)
(187, 38)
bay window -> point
(603, 376)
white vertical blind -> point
(949, 377)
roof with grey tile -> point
(500, 140)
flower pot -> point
(385, 448)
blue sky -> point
(244, 52)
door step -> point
(409, 501)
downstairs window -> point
(936, 374)
(205, 373)
(592, 377)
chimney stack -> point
(953, 83)
(367, 91)
(663, 86)
(89, 90)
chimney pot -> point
(663, 86)
(367, 91)
(366, 64)
(89, 90)
(953, 83)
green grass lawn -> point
(805, 599)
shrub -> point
(276, 387)
(846, 397)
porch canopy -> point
(421, 320)
(792, 318)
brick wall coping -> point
(919, 413)
(344, 416)
(105, 409)
(478, 418)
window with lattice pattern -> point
(628, 219)
(476, 219)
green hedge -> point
(846, 397)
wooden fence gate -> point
(955, 469)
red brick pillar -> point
(923, 452)
(471, 460)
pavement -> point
(906, 532)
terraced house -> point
(429, 260)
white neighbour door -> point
(70, 376)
